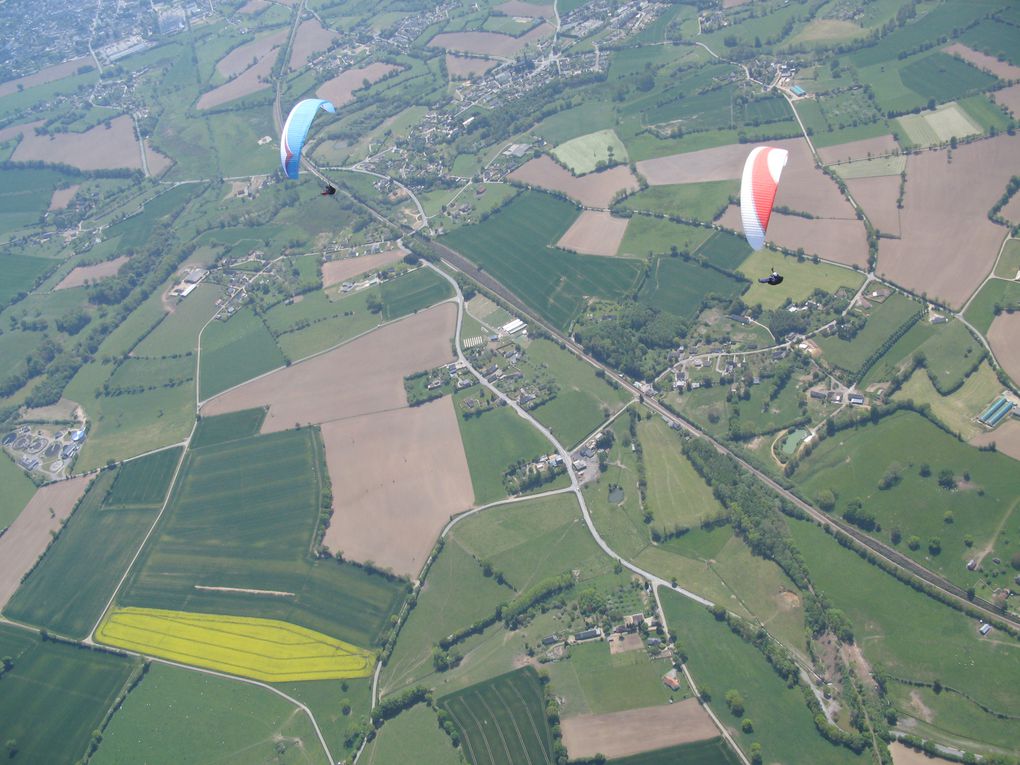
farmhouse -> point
(671, 680)
(550, 640)
(985, 629)
(818, 394)
(592, 634)
(855, 398)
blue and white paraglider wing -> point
(295, 129)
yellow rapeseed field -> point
(262, 649)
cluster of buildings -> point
(44, 451)
(998, 410)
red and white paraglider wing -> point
(758, 191)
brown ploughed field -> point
(837, 239)
(1003, 336)
(251, 80)
(62, 197)
(592, 190)
(1001, 69)
(240, 58)
(49, 74)
(311, 38)
(621, 734)
(489, 43)
(78, 276)
(340, 90)
(98, 148)
(595, 232)
(855, 150)
(463, 67)
(877, 197)
(1006, 438)
(530, 10)
(339, 271)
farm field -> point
(713, 752)
(55, 695)
(680, 286)
(884, 320)
(218, 429)
(722, 661)
(958, 410)
(646, 235)
(692, 201)
(490, 43)
(18, 489)
(244, 723)
(463, 67)
(178, 332)
(512, 704)
(79, 275)
(382, 511)
(20, 273)
(937, 127)
(73, 583)
(311, 37)
(801, 279)
(1008, 266)
(595, 232)
(31, 532)
(413, 736)
(95, 149)
(260, 649)
(1002, 337)
(583, 154)
(858, 151)
(234, 351)
(360, 377)
(996, 292)
(275, 516)
(1001, 69)
(339, 271)
(594, 190)
(413, 292)
(513, 246)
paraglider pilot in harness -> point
(328, 191)
(772, 279)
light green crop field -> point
(259, 539)
(178, 332)
(234, 351)
(983, 508)
(714, 752)
(241, 723)
(801, 279)
(595, 681)
(411, 293)
(582, 154)
(899, 353)
(55, 695)
(871, 168)
(317, 322)
(571, 123)
(534, 540)
(692, 201)
(141, 374)
(958, 410)
(720, 661)
(681, 286)
(212, 431)
(413, 736)
(886, 628)
(1008, 265)
(646, 234)
(932, 128)
(884, 320)
(996, 292)
(18, 489)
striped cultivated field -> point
(502, 720)
(262, 649)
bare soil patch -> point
(241, 57)
(13, 131)
(854, 150)
(62, 197)
(340, 90)
(397, 477)
(78, 276)
(49, 74)
(595, 232)
(30, 533)
(918, 706)
(947, 243)
(531, 10)
(463, 67)
(631, 641)
(592, 190)
(489, 43)
(1010, 98)
(1011, 211)
(904, 755)
(877, 197)
(620, 734)
(311, 38)
(1002, 336)
(96, 149)
(64, 409)
(1001, 69)
(1006, 438)
(251, 80)
(359, 378)
(838, 239)
(339, 271)
(254, 6)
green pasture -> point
(646, 235)
(958, 410)
(692, 201)
(55, 696)
(594, 681)
(26, 196)
(680, 286)
(513, 245)
(259, 538)
(948, 121)
(620, 523)
(44, 93)
(941, 20)
(502, 720)
(178, 332)
(413, 292)
(995, 38)
(578, 121)
(316, 322)
(1008, 264)
(322, 696)
(951, 353)
(18, 489)
(138, 374)
(236, 350)
(240, 723)
(20, 273)
(724, 250)
(580, 404)
(884, 320)
(802, 279)
(871, 168)
(721, 661)
(996, 295)
(887, 628)
(584, 153)
(212, 431)
(413, 736)
(986, 114)
(853, 463)
(712, 752)
(531, 541)
(900, 352)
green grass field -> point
(241, 724)
(646, 235)
(916, 504)
(178, 332)
(577, 409)
(318, 322)
(412, 293)
(502, 720)
(713, 752)
(20, 273)
(582, 154)
(493, 441)
(681, 286)
(884, 319)
(899, 353)
(948, 121)
(871, 168)
(55, 696)
(958, 410)
(512, 245)
(939, 21)
(996, 292)
(259, 538)
(571, 123)
(144, 482)
(212, 431)
(18, 489)
(594, 681)
(1008, 265)
(944, 77)
(414, 736)
(234, 351)
(692, 201)
(720, 661)
(995, 38)
(139, 374)
(801, 279)
(725, 250)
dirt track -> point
(339, 271)
(595, 232)
(340, 90)
(397, 478)
(361, 377)
(78, 276)
(30, 534)
(591, 190)
(621, 734)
